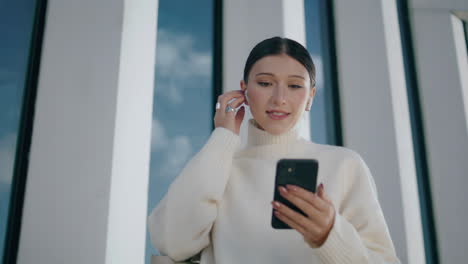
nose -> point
(279, 95)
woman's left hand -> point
(319, 210)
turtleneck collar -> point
(259, 137)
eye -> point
(264, 84)
(295, 86)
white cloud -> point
(178, 154)
(177, 150)
(178, 63)
(7, 157)
(159, 139)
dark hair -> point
(277, 46)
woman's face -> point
(278, 91)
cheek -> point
(299, 98)
(256, 97)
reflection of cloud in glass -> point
(177, 150)
(319, 71)
(178, 63)
(159, 138)
(182, 113)
(7, 156)
(178, 154)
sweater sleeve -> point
(180, 224)
(360, 233)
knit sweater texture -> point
(220, 205)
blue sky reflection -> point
(16, 23)
(182, 111)
(314, 37)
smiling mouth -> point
(277, 115)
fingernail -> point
(282, 189)
(291, 187)
(275, 204)
(321, 186)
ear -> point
(243, 87)
(311, 98)
(312, 92)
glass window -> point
(17, 21)
(324, 117)
(183, 95)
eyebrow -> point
(271, 74)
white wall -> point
(443, 98)
(375, 113)
(85, 197)
(126, 226)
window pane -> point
(183, 109)
(16, 25)
(325, 121)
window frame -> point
(418, 135)
(20, 171)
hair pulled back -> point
(278, 46)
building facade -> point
(105, 117)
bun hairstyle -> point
(278, 46)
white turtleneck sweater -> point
(220, 205)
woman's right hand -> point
(230, 120)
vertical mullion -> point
(416, 117)
(217, 52)
(18, 185)
(332, 97)
(465, 30)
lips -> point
(277, 114)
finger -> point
(320, 190)
(289, 222)
(234, 104)
(308, 229)
(308, 196)
(237, 102)
(226, 99)
(316, 217)
(240, 114)
(308, 208)
(228, 96)
(323, 195)
(298, 218)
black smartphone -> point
(299, 172)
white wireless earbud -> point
(246, 96)
(309, 105)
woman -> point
(221, 203)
